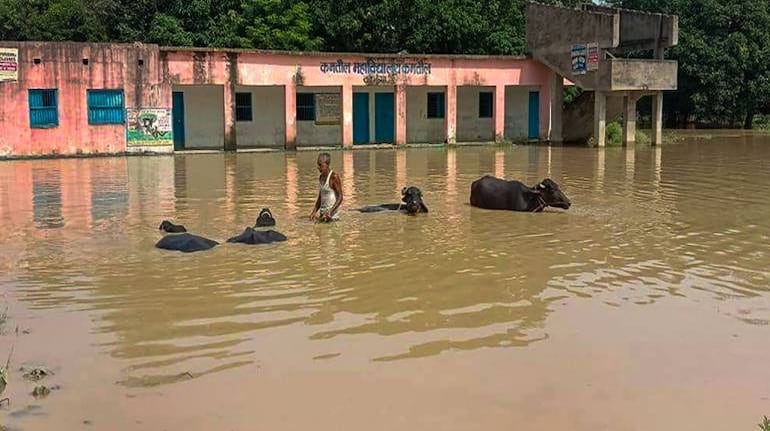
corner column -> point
(290, 102)
(229, 102)
(657, 118)
(629, 120)
(400, 114)
(600, 118)
(347, 115)
(557, 107)
(499, 113)
(451, 114)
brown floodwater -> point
(645, 306)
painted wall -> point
(517, 112)
(469, 126)
(420, 128)
(203, 116)
(267, 129)
(310, 134)
(60, 66)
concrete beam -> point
(600, 118)
(451, 114)
(557, 108)
(347, 115)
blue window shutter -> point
(106, 107)
(43, 108)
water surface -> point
(645, 306)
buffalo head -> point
(412, 198)
(551, 195)
(265, 218)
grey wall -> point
(469, 126)
(204, 116)
(309, 134)
(268, 125)
(420, 129)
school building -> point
(82, 98)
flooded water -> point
(645, 306)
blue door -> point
(360, 118)
(384, 117)
(534, 115)
(177, 120)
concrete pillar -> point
(600, 118)
(657, 118)
(451, 114)
(229, 101)
(499, 113)
(629, 120)
(347, 115)
(400, 114)
(557, 107)
(291, 116)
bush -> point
(614, 136)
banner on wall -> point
(9, 64)
(328, 107)
(149, 127)
(593, 57)
(579, 54)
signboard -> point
(149, 127)
(579, 53)
(9, 64)
(593, 57)
(328, 108)
(372, 67)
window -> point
(43, 109)
(435, 105)
(485, 104)
(105, 107)
(305, 107)
(243, 107)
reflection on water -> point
(646, 224)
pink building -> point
(73, 98)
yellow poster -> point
(9, 64)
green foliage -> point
(765, 425)
(614, 137)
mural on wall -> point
(578, 53)
(328, 108)
(593, 57)
(149, 127)
(9, 64)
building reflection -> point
(47, 198)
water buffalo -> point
(258, 236)
(185, 242)
(412, 203)
(497, 194)
(167, 226)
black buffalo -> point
(259, 236)
(167, 226)
(185, 242)
(497, 194)
(412, 203)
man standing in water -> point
(329, 193)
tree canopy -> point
(723, 44)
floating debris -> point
(41, 391)
(36, 374)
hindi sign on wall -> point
(328, 108)
(579, 54)
(149, 127)
(9, 64)
(593, 57)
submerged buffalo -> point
(167, 226)
(185, 242)
(497, 194)
(250, 235)
(412, 203)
